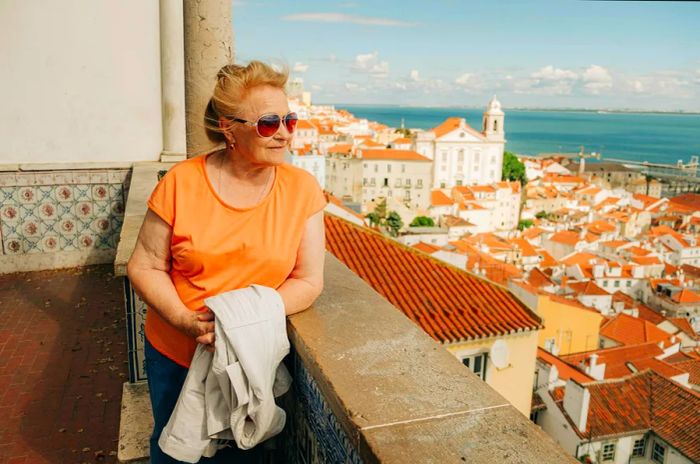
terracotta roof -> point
(401, 141)
(686, 296)
(582, 258)
(587, 288)
(645, 401)
(616, 359)
(426, 247)
(455, 221)
(337, 202)
(496, 271)
(391, 154)
(343, 148)
(688, 200)
(598, 227)
(683, 324)
(567, 237)
(438, 198)
(658, 366)
(645, 312)
(547, 259)
(450, 124)
(449, 304)
(539, 279)
(305, 124)
(532, 232)
(629, 330)
(614, 243)
(692, 367)
(566, 371)
(646, 260)
(447, 126)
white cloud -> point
(465, 79)
(346, 18)
(369, 63)
(300, 67)
(596, 78)
(316, 87)
(549, 81)
(352, 86)
(414, 75)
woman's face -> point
(258, 150)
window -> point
(443, 167)
(658, 453)
(403, 168)
(386, 182)
(442, 185)
(419, 183)
(388, 168)
(605, 283)
(460, 156)
(629, 283)
(444, 156)
(617, 283)
(398, 183)
(459, 182)
(364, 181)
(477, 364)
(376, 168)
(408, 182)
(364, 165)
(609, 452)
(372, 182)
(639, 447)
(388, 193)
(407, 195)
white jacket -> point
(230, 394)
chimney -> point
(576, 401)
(564, 281)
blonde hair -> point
(233, 81)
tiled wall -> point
(57, 211)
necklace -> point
(262, 192)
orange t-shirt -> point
(216, 247)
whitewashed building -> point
(463, 155)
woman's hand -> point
(200, 326)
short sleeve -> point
(162, 199)
(317, 200)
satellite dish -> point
(499, 354)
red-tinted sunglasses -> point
(267, 125)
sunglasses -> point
(267, 125)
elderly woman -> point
(223, 221)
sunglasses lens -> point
(290, 122)
(268, 125)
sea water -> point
(653, 137)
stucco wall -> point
(515, 381)
(573, 329)
(81, 81)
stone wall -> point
(60, 218)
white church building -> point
(462, 155)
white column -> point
(208, 47)
(172, 76)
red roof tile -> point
(587, 288)
(447, 303)
(426, 247)
(616, 359)
(645, 401)
(391, 154)
(566, 371)
(692, 367)
(686, 296)
(438, 198)
(684, 325)
(629, 330)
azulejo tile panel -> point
(136, 335)
(52, 211)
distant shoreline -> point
(515, 108)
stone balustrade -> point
(369, 385)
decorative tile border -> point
(316, 435)
(54, 211)
(135, 332)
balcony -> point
(369, 385)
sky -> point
(535, 53)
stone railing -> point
(370, 386)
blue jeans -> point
(165, 380)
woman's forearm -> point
(298, 294)
(156, 289)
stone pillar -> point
(208, 46)
(172, 77)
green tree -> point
(380, 210)
(373, 219)
(394, 223)
(513, 169)
(524, 224)
(406, 132)
(422, 221)
(542, 215)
